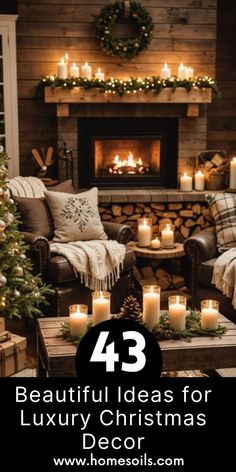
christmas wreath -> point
(119, 11)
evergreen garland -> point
(121, 87)
(129, 47)
(21, 292)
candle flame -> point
(210, 303)
(177, 299)
(99, 70)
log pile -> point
(188, 218)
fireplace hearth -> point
(127, 152)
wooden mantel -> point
(63, 97)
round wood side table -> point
(162, 253)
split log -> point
(147, 272)
(148, 281)
(184, 231)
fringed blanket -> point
(224, 274)
(96, 262)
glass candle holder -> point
(167, 235)
(209, 314)
(101, 306)
(151, 305)
(144, 234)
(78, 317)
(177, 312)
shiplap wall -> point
(185, 31)
(222, 115)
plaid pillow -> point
(223, 209)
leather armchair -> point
(57, 271)
(202, 253)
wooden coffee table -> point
(56, 357)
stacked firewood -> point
(215, 166)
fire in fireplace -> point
(114, 152)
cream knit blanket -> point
(224, 274)
(96, 262)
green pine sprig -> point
(122, 87)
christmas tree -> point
(21, 293)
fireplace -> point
(127, 152)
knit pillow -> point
(223, 209)
(75, 216)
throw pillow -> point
(35, 216)
(66, 187)
(223, 209)
(75, 216)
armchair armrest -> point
(202, 246)
(121, 233)
(199, 248)
(38, 250)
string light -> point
(122, 87)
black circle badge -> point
(118, 351)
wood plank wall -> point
(222, 115)
(185, 31)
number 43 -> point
(110, 357)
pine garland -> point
(193, 328)
(162, 331)
(65, 330)
(122, 87)
(129, 47)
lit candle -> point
(99, 75)
(101, 307)
(62, 69)
(182, 72)
(186, 183)
(144, 232)
(155, 243)
(199, 179)
(151, 305)
(189, 73)
(165, 72)
(209, 314)
(66, 58)
(232, 174)
(74, 70)
(177, 312)
(78, 319)
(86, 71)
(167, 236)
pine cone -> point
(131, 309)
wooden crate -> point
(12, 355)
(2, 324)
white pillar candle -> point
(74, 70)
(78, 319)
(189, 73)
(86, 71)
(144, 235)
(232, 174)
(167, 236)
(101, 307)
(151, 305)
(186, 183)
(155, 243)
(99, 75)
(182, 72)
(165, 72)
(62, 69)
(199, 179)
(177, 312)
(209, 314)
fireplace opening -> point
(114, 152)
